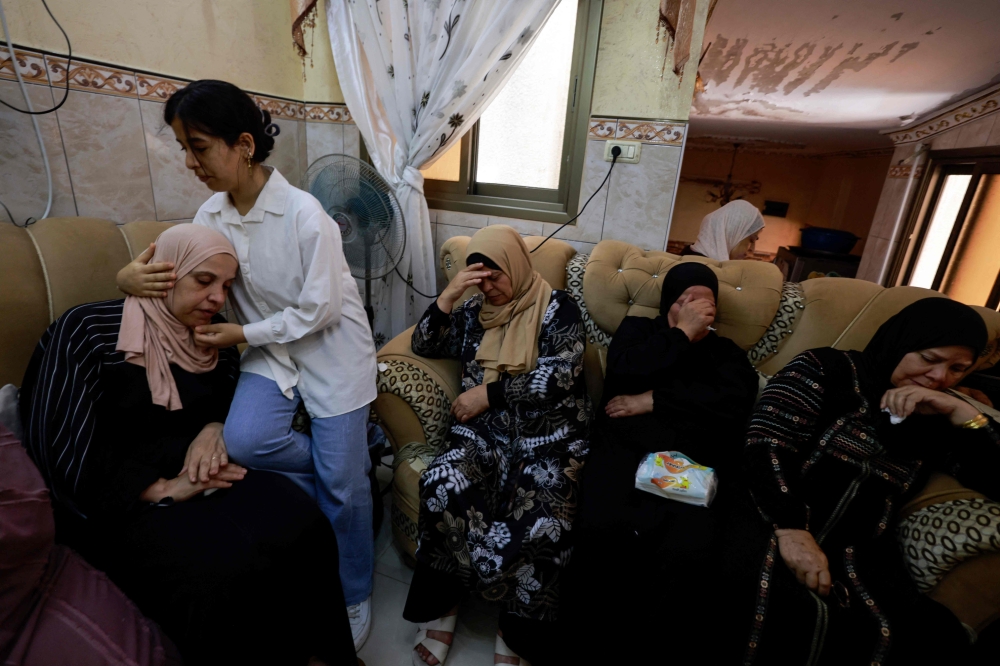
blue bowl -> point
(828, 240)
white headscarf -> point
(722, 230)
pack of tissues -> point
(673, 475)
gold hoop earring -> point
(249, 161)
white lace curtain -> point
(416, 74)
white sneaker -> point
(360, 616)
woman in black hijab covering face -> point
(674, 354)
(828, 465)
(672, 385)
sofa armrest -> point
(414, 394)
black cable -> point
(69, 60)
(410, 283)
(9, 214)
(615, 152)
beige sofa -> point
(61, 262)
(772, 320)
(52, 266)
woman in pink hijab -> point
(123, 416)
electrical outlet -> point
(630, 151)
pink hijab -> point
(150, 335)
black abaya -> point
(635, 548)
(246, 575)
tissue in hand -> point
(893, 419)
(673, 475)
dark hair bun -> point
(220, 109)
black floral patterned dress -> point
(497, 505)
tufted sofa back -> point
(773, 320)
(622, 280)
(53, 265)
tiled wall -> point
(634, 206)
(111, 155)
(972, 125)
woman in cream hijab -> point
(728, 233)
(497, 504)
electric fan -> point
(366, 210)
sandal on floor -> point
(502, 650)
(445, 625)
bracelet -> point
(976, 422)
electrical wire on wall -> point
(615, 152)
(30, 111)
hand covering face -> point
(510, 343)
(150, 335)
(681, 277)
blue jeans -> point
(331, 466)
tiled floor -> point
(391, 640)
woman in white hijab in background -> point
(728, 233)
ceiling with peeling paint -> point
(830, 73)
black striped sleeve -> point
(61, 389)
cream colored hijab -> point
(722, 230)
(150, 335)
(510, 343)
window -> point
(524, 157)
(953, 244)
(939, 228)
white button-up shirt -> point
(299, 306)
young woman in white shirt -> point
(299, 311)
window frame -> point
(544, 205)
(972, 161)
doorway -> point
(954, 245)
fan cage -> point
(372, 229)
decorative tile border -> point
(977, 108)
(602, 128)
(903, 171)
(646, 131)
(111, 80)
(157, 88)
(669, 134)
(327, 113)
(31, 65)
(92, 78)
(280, 108)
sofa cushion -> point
(783, 325)
(82, 256)
(138, 235)
(622, 280)
(24, 302)
(575, 270)
(830, 305)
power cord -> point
(69, 60)
(615, 152)
(31, 112)
(9, 213)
